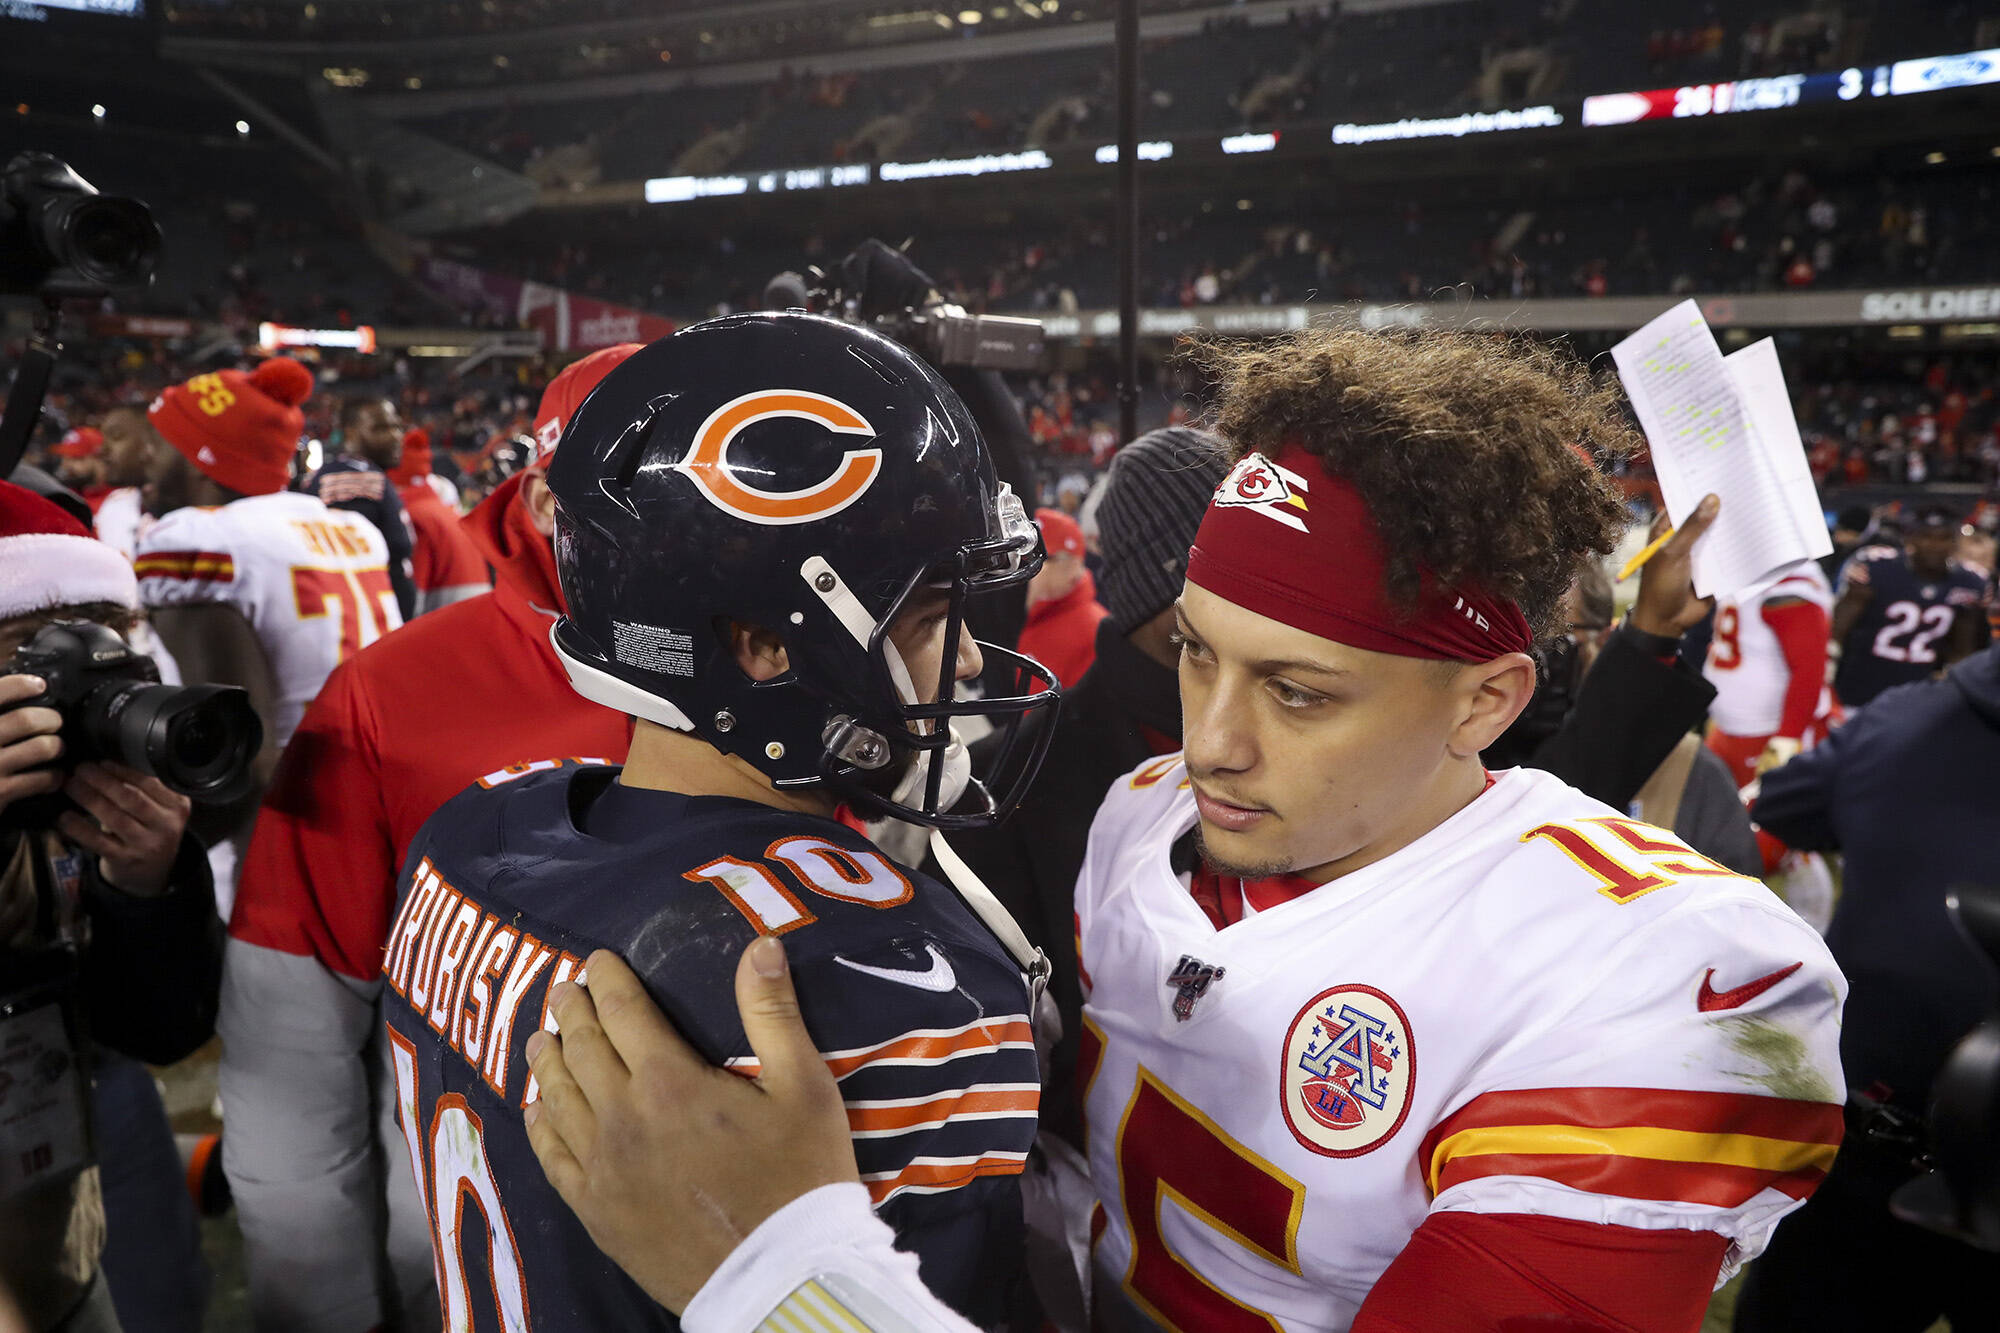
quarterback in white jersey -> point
(1537, 1008)
(1767, 662)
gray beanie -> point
(1155, 493)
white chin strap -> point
(957, 777)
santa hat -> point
(415, 462)
(48, 559)
(566, 393)
(239, 430)
(82, 442)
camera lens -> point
(198, 739)
(108, 241)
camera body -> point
(60, 238)
(199, 740)
(880, 288)
(947, 335)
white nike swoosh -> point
(939, 977)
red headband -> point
(1291, 541)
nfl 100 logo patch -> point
(1350, 1068)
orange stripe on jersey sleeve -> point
(935, 1175)
(207, 566)
(929, 1046)
(875, 1119)
(936, 1047)
(1712, 1148)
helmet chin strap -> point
(957, 775)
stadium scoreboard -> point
(1734, 96)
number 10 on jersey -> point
(448, 1162)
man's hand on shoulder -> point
(668, 1161)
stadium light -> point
(97, 110)
(969, 16)
(272, 337)
(242, 127)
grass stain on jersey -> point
(1787, 1069)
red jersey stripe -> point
(213, 566)
(1657, 1108)
(1709, 1183)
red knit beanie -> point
(238, 430)
(48, 559)
(416, 459)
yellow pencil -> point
(1638, 562)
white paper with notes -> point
(1724, 425)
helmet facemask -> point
(903, 759)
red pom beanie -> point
(415, 462)
(48, 559)
(238, 430)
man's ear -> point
(1490, 696)
(540, 502)
(759, 653)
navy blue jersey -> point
(358, 486)
(1900, 635)
(920, 1013)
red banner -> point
(582, 323)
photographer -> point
(108, 943)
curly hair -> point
(1477, 454)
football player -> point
(356, 479)
(388, 740)
(767, 530)
(247, 583)
(1904, 617)
(1767, 661)
(121, 518)
(1378, 1039)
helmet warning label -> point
(650, 648)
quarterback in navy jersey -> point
(1901, 617)
(767, 529)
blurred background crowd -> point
(438, 207)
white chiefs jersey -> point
(1747, 665)
(119, 519)
(313, 582)
(1539, 1007)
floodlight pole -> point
(1127, 230)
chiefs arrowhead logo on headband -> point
(1275, 492)
(1330, 579)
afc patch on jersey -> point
(1350, 1067)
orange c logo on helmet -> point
(707, 463)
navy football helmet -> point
(806, 476)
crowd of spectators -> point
(1788, 231)
(1870, 415)
(1907, 419)
(1311, 63)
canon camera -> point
(199, 740)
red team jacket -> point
(398, 730)
(446, 565)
